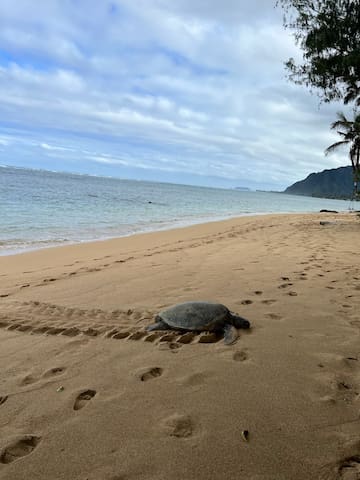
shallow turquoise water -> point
(39, 208)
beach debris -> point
(201, 317)
(324, 210)
(60, 389)
(245, 435)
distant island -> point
(243, 189)
(333, 183)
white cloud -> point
(46, 146)
(193, 86)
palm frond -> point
(342, 134)
(335, 146)
(349, 131)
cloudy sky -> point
(186, 91)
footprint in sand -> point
(246, 302)
(274, 316)
(151, 373)
(240, 356)
(268, 301)
(350, 468)
(342, 386)
(19, 448)
(83, 398)
(350, 361)
(28, 380)
(3, 399)
(193, 380)
(54, 371)
(47, 280)
(180, 426)
(344, 391)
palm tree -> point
(349, 130)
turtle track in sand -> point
(36, 318)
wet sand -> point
(87, 394)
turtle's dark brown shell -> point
(196, 316)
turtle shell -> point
(196, 316)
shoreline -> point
(64, 256)
(93, 395)
(170, 226)
(174, 226)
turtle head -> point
(239, 322)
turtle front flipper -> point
(159, 325)
(230, 334)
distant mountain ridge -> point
(333, 183)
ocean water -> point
(40, 209)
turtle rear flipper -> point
(230, 334)
(159, 325)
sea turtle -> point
(200, 316)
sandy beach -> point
(87, 394)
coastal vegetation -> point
(349, 130)
(331, 183)
(328, 33)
